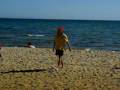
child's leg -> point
(62, 63)
(59, 61)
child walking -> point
(61, 40)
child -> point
(61, 40)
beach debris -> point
(87, 49)
(116, 69)
(113, 51)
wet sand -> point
(35, 69)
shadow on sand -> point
(16, 71)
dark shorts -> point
(59, 52)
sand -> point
(35, 69)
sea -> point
(94, 34)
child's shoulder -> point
(64, 35)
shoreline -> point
(73, 48)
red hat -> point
(61, 29)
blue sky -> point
(61, 9)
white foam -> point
(35, 35)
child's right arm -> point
(69, 46)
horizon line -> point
(57, 19)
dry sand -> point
(35, 69)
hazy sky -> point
(61, 9)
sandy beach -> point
(35, 69)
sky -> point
(61, 9)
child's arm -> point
(69, 46)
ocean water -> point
(82, 33)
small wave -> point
(36, 35)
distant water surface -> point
(82, 33)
